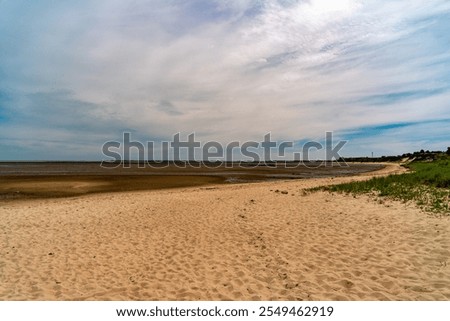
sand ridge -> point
(264, 241)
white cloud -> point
(237, 69)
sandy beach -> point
(259, 241)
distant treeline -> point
(422, 155)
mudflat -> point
(22, 180)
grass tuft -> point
(428, 185)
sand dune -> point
(264, 241)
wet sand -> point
(23, 180)
(264, 241)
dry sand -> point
(223, 242)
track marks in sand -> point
(241, 242)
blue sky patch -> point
(74, 75)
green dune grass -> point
(428, 185)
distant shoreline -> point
(33, 180)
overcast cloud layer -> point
(74, 74)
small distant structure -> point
(422, 155)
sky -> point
(76, 74)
